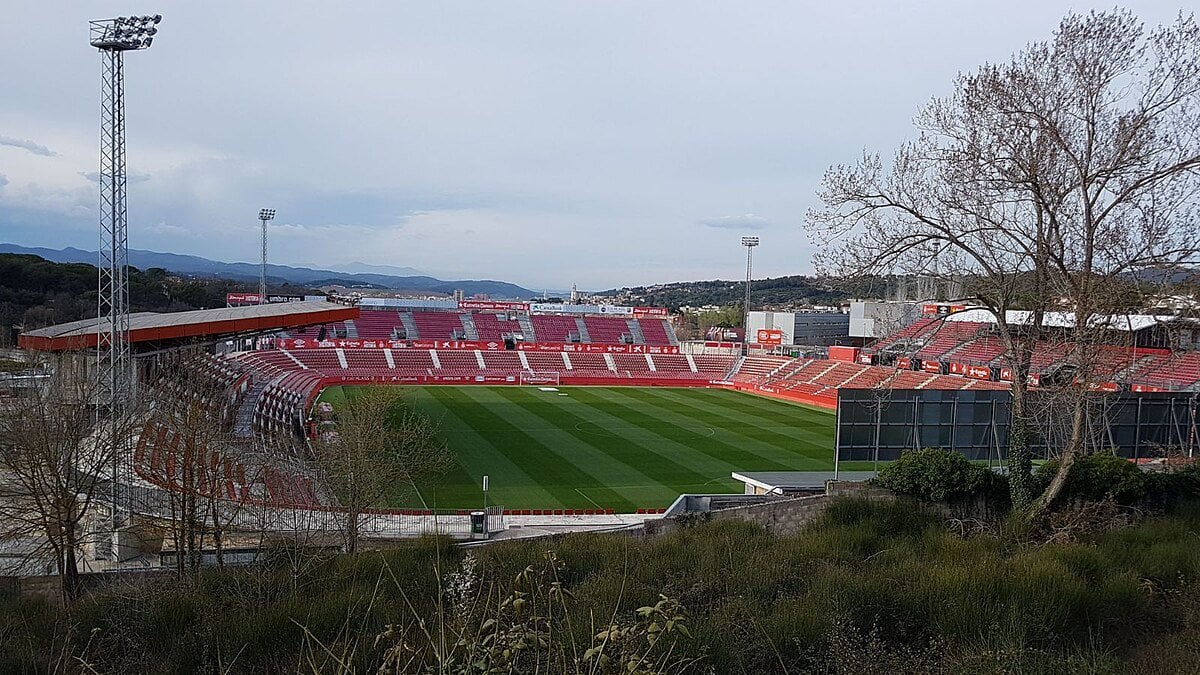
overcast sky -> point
(607, 143)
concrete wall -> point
(782, 516)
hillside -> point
(35, 292)
(776, 292)
(240, 271)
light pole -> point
(749, 243)
(264, 215)
(115, 377)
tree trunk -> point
(1066, 460)
(352, 530)
(70, 570)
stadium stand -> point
(376, 325)
(548, 328)
(438, 326)
(607, 330)
(495, 327)
(1176, 371)
(657, 332)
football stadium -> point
(579, 411)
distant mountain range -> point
(370, 276)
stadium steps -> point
(691, 363)
(773, 373)
(479, 360)
(635, 329)
(671, 336)
(244, 426)
(650, 363)
(567, 361)
(341, 354)
(583, 332)
(608, 360)
(825, 372)
(524, 361)
(734, 368)
(293, 357)
(437, 363)
(410, 326)
(351, 329)
(854, 377)
(526, 327)
(391, 360)
(469, 328)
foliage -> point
(35, 292)
(1098, 477)
(868, 584)
(937, 475)
(1168, 490)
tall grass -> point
(868, 583)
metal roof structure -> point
(1054, 319)
(192, 326)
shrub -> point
(1167, 490)
(936, 475)
(1098, 477)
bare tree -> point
(56, 463)
(382, 445)
(1042, 183)
(191, 418)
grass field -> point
(622, 448)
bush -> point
(936, 475)
(1098, 477)
(1168, 490)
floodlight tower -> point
(264, 215)
(115, 377)
(114, 37)
(749, 243)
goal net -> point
(543, 377)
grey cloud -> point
(131, 177)
(3, 180)
(35, 148)
(746, 221)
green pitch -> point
(622, 448)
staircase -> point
(526, 327)
(734, 368)
(635, 329)
(410, 326)
(469, 329)
(351, 329)
(671, 336)
(293, 357)
(243, 427)
(583, 334)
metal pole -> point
(264, 215)
(749, 243)
(262, 273)
(115, 375)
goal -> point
(542, 377)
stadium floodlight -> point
(264, 215)
(115, 376)
(749, 243)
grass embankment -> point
(870, 588)
(622, 448)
